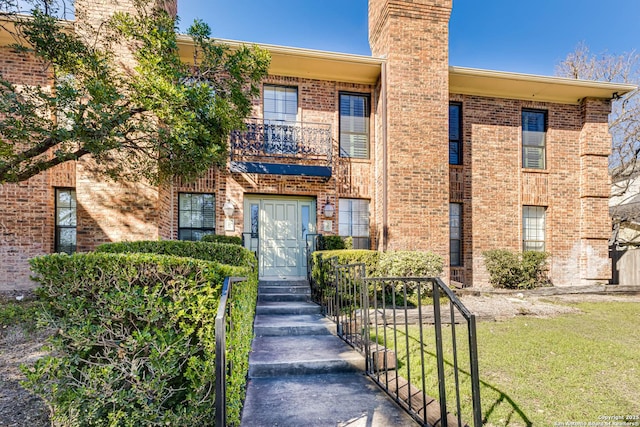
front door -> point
(279, 227)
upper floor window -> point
(455, 134)
(66, 220)
(196, 216)
(353, 220)
(354, 125)
(534, 127)
(280, 103)
(533, 219)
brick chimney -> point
(413, 35)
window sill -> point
(528, 170)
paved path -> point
(302, 374)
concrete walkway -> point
(302, 374)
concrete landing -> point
(302, 374)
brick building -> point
(398, 150)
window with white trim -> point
(534, 131)
(533, 228)
(196, 215)
(354, 125)
(66, 220)
(353, 220)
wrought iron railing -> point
(398, 325)
(282, 140)
(222, 325)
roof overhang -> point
(306, 63)
(499, 84)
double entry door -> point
(278, 227)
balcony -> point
(284, 148)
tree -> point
(120, 94)
(624, 125)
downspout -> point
(383, 106)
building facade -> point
(398, 150)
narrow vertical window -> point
(533, 219)
(354, 125)
(280, 111)
(196, 216)
(455, 134)
(534, 127)
(66, 220)
(455, 234)
(255, 212)
(353, 220)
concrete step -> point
(302, 355)
(292, 325)
(283, 297)
(282, 283)
(287, 307)
(319, 401)
(306, 290)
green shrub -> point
(409, 264)
(321, 273)
(223, 253)
(136, 339)
(219, 238)
(332, 243)
(512, 270)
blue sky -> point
(507, 35)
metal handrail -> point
(221, 350)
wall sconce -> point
(228, 209)
(329, 210)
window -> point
(455, 134)
(280, 103)
(280, 114)
(353, 220)
(66, 220)
(196, 216)
(534, 126)
(533, 228)
(455, 234)
(354, 125)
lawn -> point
(572, 369)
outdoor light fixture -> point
(329, 210)
(228, 208)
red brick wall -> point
(573, 187)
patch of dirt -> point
(502, 307)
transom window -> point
(354, 125)
(533, 219)
(455, 134)
(66, 220)
(534, 127)
(353, 220)
(455, 234)
(196, 215)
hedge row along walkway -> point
(302, 374)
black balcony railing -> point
(417, 337)
(279, 147)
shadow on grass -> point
(500, 398)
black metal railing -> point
(282, 140)
(398, 325)
(222, 325)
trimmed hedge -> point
(513, 270)
(223, 253)
(220, 238)
(321, 267)
(409, 264)
(136, 340)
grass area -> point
(534, 371)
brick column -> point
(595, 223)
(413, 37)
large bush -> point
(221, 238)
(409, 264)
(223, 253)
(512, 270)
(136, 339)
(321, 273)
